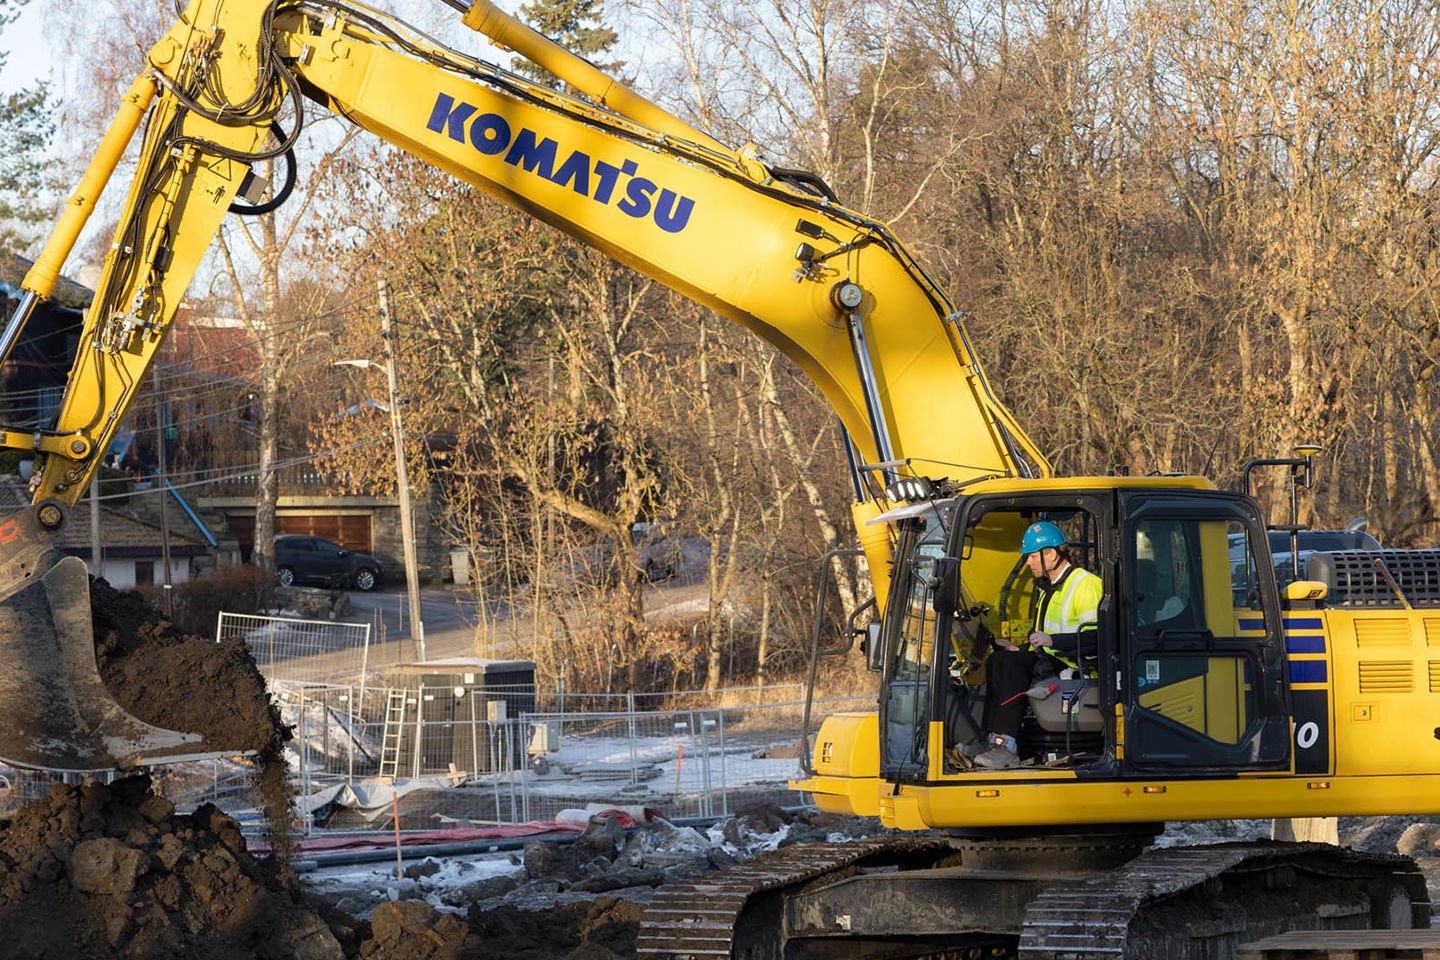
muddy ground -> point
(114, 872)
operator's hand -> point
(1039, 639)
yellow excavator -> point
(1213, 692)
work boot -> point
(998, 758)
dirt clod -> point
(600, 930)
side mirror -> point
(873, 649)
(1304, 594)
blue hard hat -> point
(1040, 535)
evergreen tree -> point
(578, 26)
(25, 178)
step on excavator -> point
(1212, 688)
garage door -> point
(351, 532)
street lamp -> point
(402, 476)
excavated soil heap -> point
(178, 680)
(186, 682)
(112, 872)
(604, 929)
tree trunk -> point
(267, 486)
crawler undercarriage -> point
(1051, 898)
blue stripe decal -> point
(1248, 624)
(1304, 644)
(1304, 623)
(1307, 671)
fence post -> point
(704, 791)
(419, 729)
(724, 780)
(630, 710)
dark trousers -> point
(1007, 677)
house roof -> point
(119, 531)
(68, 293)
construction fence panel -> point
(474, 763)
(479, 758)
(303, 651)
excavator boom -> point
(770, 249)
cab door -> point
(1201, 672)
(913, 633)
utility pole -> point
(402, 474)
(166, 587)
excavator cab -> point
(1187, 671)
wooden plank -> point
(1345, 945)
(1337, 940)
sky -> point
(28, 55)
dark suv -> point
(315, 560)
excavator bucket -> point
(55, 712)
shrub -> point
(233, 589)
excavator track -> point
(699, 919)
(894, 898)
(1202, 902)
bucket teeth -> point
(55, 711)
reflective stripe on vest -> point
(1060, 618)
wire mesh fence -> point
(467, 759)
(436, 756)
(309, 651)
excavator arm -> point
(768, 248)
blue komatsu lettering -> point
(576, 168)
(637, 197)
(447, 114)
(535, 157)
(672, 211)
(609, 175)
(490, 134)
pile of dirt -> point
(181, 681)
(602, 929)
(191, 683)
(112, 872)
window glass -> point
(913, 651)
(1212, 695)
(1196, 583)
(1196, 576)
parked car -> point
(301, 559)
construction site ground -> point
(114, 870)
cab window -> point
(1193, 582)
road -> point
(450, 618)
(453, 628)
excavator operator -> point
(1063, 638)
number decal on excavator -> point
(1306, 734)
